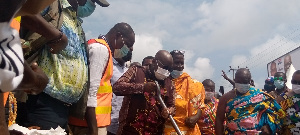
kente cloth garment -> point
(246, 114)
(189, 97)
(67, 70)
(207, 121)
(140, 113)
(273, 94)
(291, 124)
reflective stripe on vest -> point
(104, 94)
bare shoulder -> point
(227, 96)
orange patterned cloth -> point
(207, 121)
(189, 98)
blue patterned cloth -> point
(246, 114)
(67, 71)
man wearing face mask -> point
(113, 48)
(67, 72)
(279, 83)
(189, 98)
(269, 84)
(141, 113)
(207, 120)
(247, 110)
(289, 102)
(89, 7)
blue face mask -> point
(86, 10)
(176, 73)
(120, 53)
(279, 84)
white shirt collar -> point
(115, 62)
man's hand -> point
(42, 79)
(224, 75)
(266, 130)
(60, 45)
(191, 121)
(150, 87)
(34, 80)
(228, 79)
(168, 111)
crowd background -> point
(68, 81)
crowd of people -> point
(51, 76)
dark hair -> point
(284, 75)
(208, 80)
(124, 28)
(176, 52)
(148, 57)
(135, 64)
(297, 72)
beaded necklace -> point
(12, 105)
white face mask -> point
(161, 74)
(296, 88)
(209, 95)
(242, 88)
(176, 73)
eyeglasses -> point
(178, 51)
(278, 78)
(295, 82)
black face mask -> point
(127, 57)
(269, 88)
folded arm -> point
(126, 86)
(55, 38)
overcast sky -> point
(215, 34)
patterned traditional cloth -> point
(291, 124)
(67, 71)
(140, 113)
(246, 114)
(189, 97)
(207, 121)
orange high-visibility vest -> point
(104, 94)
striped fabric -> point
(11, 58)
